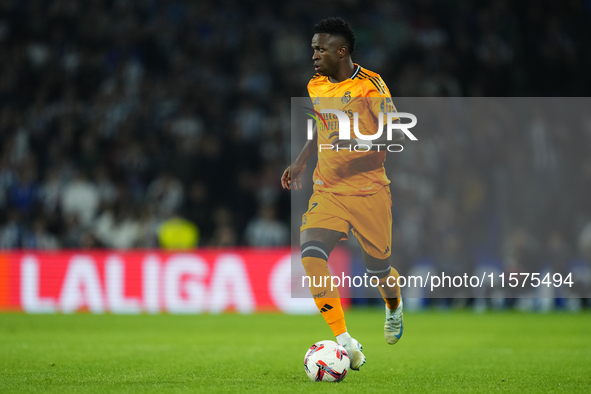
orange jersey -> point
(348, 172)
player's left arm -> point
(380, 100)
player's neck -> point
(345, 72)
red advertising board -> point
(213, 281)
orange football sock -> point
(327, 301)
(390, 290)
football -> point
(326, 361)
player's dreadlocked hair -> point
(337, 27)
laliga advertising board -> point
(214, 281)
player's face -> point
(328, 51)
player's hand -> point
(340, 144)
(293, 173)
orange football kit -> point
(351, 188)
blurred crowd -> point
(495, 185)
(117, 116)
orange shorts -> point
(368, 217)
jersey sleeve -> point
(379, 96)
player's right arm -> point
(294, 172)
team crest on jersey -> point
(317, 100)
(346, 98)
(387, 105)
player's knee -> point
(315, 249)
(381, 269)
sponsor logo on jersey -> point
(387, 105)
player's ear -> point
(343, 51)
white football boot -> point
(355, 352)
(394, 324)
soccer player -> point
(351, 190)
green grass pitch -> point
(439, 352)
